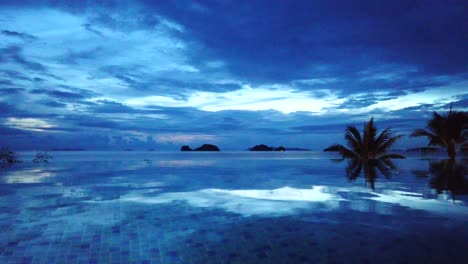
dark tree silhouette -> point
(7, 157)
(450, 176)
(42, 157)
(446, 131)
(371, 168)
(369, 145)
(446, 176)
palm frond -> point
(354, 169)
(385, 135)
(421, 133)
(353, 138)
(437, 141)
(372, 128)
(346, 153)
(370, 132)
(387, 144)
(366, 145)
(353, 130)
(437, 125)
(383, 168)
(389, 162)
(434, 139)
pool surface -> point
(232, 207)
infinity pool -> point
(232, 207)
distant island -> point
(204, 147)
(263, 147)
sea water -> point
(232, 207)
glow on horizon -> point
(440, 95)
(30, 124)
(283, 100)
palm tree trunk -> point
(451, 150)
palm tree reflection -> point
(449, 176)
(370, 168)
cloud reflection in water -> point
(280, 201)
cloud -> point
(74, 57)
(332, 35)
(8, 110)
(459, 105)
(107, 106)
(184, 138)
(98, 123)
(123, 59)
(14, 75)
(18, 35)
(247, 98)
(52, 103)
(321, 129)
(10, 91)
(13, 54)
(429, 96)
(89, 28)
(30, 124)
(70, 94)
(9, 131)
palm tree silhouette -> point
(448, 175)
(369, 145)
(445, 131)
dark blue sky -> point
(160, 74)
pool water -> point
(232, 207)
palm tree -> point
(369, 145)
(446, 131)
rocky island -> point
(263, 147)
(204, 147)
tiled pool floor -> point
(181, 234)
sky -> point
(162, 74)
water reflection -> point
(184, 163)
(249, 202)
(370, 168)
(37, 175)
(447, 176)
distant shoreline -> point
(67, 149)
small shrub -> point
(42, 157)
(7, 157)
